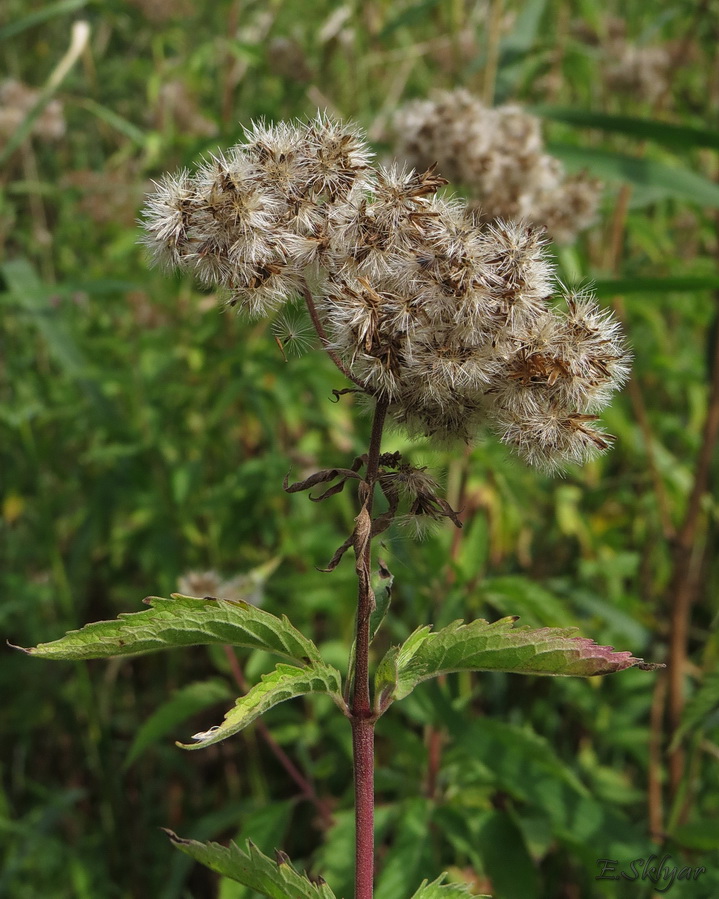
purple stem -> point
(361, 716)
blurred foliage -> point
(145, 434)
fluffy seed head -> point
(498, 155)
(450, 319)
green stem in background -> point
(684, 583)
(362, 718)
(494, 34)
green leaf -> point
(26, 290)
(701, 836)
(535, 604)
(276, 879)
(382, 581)
(382, 586)
(285, 682)
(438, 889)
(667, 180)
(618, 286)
(385, 680)
(524, 765)
(516, 48)
(184, 703)
(183, 621)
(408, 17)
(402, 863)
(506, 859)
(697, 710)
(683, 137)
(526, 28)
(111, 118)
(266, 826)
(519, 757)
(481, 646)
(40, 15)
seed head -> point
(498, 155)
(452, 320)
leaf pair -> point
(189, 621)
(477, 646)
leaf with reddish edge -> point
(499, 646)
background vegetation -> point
(146, 434)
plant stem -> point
(361, 715)
(684, 584)
(324, 339)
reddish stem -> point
(361, 715)
(363, 749)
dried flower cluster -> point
(242, 587)
(643, 72)
(16, 101)
(497, 155)
(177, 106)
(450, 321)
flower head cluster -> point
(16, 101)
(240, 588)
(497, 154)
(448, 320)
(643, 72)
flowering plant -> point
(445, 327)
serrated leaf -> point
(185, 701)
(265, 826)
(285, 682)
(500, 646)
(438, 889)
(276, 879)
(183, 621)
(667, 180)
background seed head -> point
(498, 155)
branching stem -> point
(324, 339)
